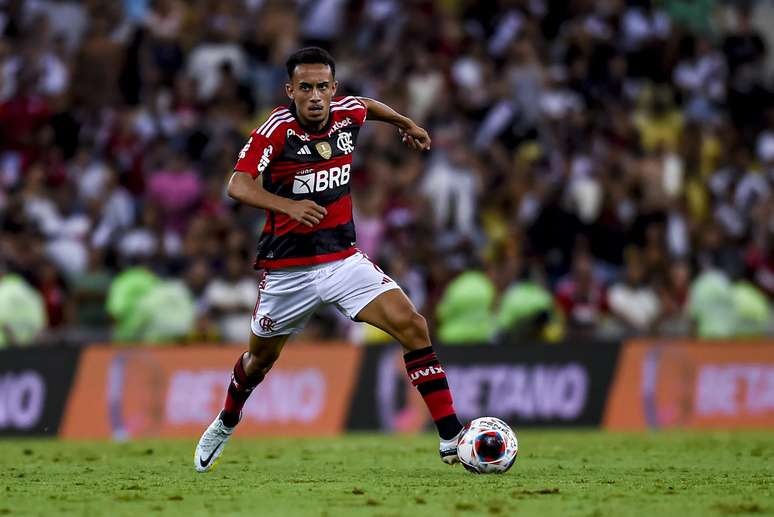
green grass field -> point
(557, 473)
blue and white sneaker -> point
(448, 449)
(211, 445)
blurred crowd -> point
(600, 168)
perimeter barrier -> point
(34, 386)
(689, 384)
(104, 391)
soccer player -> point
(297, 167)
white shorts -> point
(287, 298)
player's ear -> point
(335, 86)
(289, 89)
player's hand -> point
(416, 138)
(306, 212)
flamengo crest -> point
(344, 142)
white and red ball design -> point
(487, 446)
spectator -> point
(175, 188)
(126, 291)
(745, 50)
(98, 64)
(753, 310)
(89, 293)
(451, 186)
(148, 241)
(423, 86)
(165, 22)
(22, 311)
(207, 57)
(760, 260)
(581, 295)
(231, 299)
(701, 76)
(115, 212)
(673, 293)
(633, 304)
(55, 294)
(711, 305)
(197, 278)
(743, 46)
(465, 310)
(528, 313)
(164, 314)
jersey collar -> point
(312, 131)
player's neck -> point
(315, 126)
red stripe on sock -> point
(239, 389)
(429, 357)
(427, 374)
(440, 404)
(231, 405)
(239, 371)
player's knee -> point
(259, 364)
(413, 328)
(419, 324)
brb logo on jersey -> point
(311, 182)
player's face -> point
(312, 89)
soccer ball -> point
(487, 446)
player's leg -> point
(394, 313)
(285, 303)
(249, 370)
(362, 291)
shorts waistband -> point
(312, 267)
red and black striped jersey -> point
(297, 162)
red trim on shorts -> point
(262, 280)
(305, 261)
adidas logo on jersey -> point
(304, 150)
(321, 180)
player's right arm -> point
(249, 191)
(246, 187)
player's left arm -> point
(412, 135)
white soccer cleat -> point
(448, 450)
(211, 445)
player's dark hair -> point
(310, 56)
